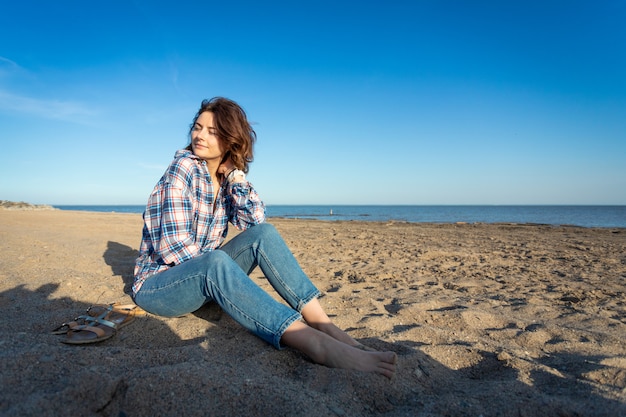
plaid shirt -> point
(181, 221)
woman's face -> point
(204, 143)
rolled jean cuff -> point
(315, 294)
(279, 335)
(296, 316)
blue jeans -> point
(222, 276)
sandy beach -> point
(486, 320)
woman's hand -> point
(225, 167)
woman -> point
(183, 264)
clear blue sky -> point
(356, 102)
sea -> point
(557, 215)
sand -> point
(491, 320)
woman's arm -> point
(178, 240)
(247, 208)
(170, 217)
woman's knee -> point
(212, 262)
(265, 229)
(218, 258)
(262, 232)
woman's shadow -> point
(121, 258)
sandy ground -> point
(491, 320)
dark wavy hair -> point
(232, 128)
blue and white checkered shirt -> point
(181, 221)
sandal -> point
(134, 308)
(121, 315)
(94, 329)
(77, 322)
(118, 314)
(68, 325)
(100, 323)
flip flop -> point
(93, 330)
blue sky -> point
(396, 102)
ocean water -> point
(585, 216)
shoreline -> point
(604, 216)
(43, 207)
(454, 223)
(491, 319)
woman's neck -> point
(212, 167)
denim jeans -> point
(222, 276)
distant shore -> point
(21, 205)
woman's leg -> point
(215, 276)
(316, 317)
(326, 350)
(262, 245)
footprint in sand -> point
(480, 320)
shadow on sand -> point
(121, 258)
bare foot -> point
(316, 317)
(326, 350)
(344, 356)
(363, 347)
(336, 333)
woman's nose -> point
(202, 133)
